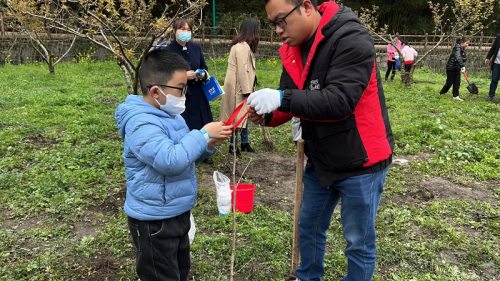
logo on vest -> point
(314, 85)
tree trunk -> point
(126, 73)
(407, 76)
(51, 65)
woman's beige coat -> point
(239, 80)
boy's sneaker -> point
(458, 98)
(490, 98)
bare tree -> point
(35, 30)
(468, 18)
(127, 29)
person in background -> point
(493, 59)
(392, 53)
(240, 79)
(455, 65)
(160, 152)
(409, 55)
(198, 112)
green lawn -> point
(62, 185)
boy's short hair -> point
(296, 2)
(158, 67)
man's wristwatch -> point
(205, 134)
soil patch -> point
(27, 224)
(112, 204)
(104, 267)
(38, 140)
(106, 100)
(427, 82)
(272, 174)
(437, 188)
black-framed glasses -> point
(281, 22)
(183, 89)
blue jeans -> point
(494, 79)
(244, 135)
(360, 197)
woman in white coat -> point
(240, 78)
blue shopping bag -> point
(398, 63)
(211, 88)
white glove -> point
(265, 100)
(463, 69)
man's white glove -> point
(265, 100)
(463, 69)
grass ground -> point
(62, 185)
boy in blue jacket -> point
(160, 154)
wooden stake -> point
(298, 202)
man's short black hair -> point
(158, 67)
(296, 2)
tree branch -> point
(432, 49)
(115, 37)
(67, 51)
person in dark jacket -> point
(455, 65)
(198, 112)
(331, 81)
(493, 59)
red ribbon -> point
(235, 113)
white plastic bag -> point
(192, 230)
(223, 193)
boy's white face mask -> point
(174, 105)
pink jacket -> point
(391, 49)
(409, 53)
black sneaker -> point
(208, 160)
(490, 98)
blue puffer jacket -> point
(160, 154)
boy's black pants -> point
(162, 248)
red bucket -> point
(244, 197)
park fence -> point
(16, 48)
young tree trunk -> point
(126, 73)
(407, 78)
(51, 64)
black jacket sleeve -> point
(350, 70)
(457, 52)
(283, 84)
(493, 48)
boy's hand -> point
(190, 75)
(218, 130)
(212, 142)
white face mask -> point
(174, 105)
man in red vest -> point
(330, 81)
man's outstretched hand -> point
(257, 119)
(265, 100)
